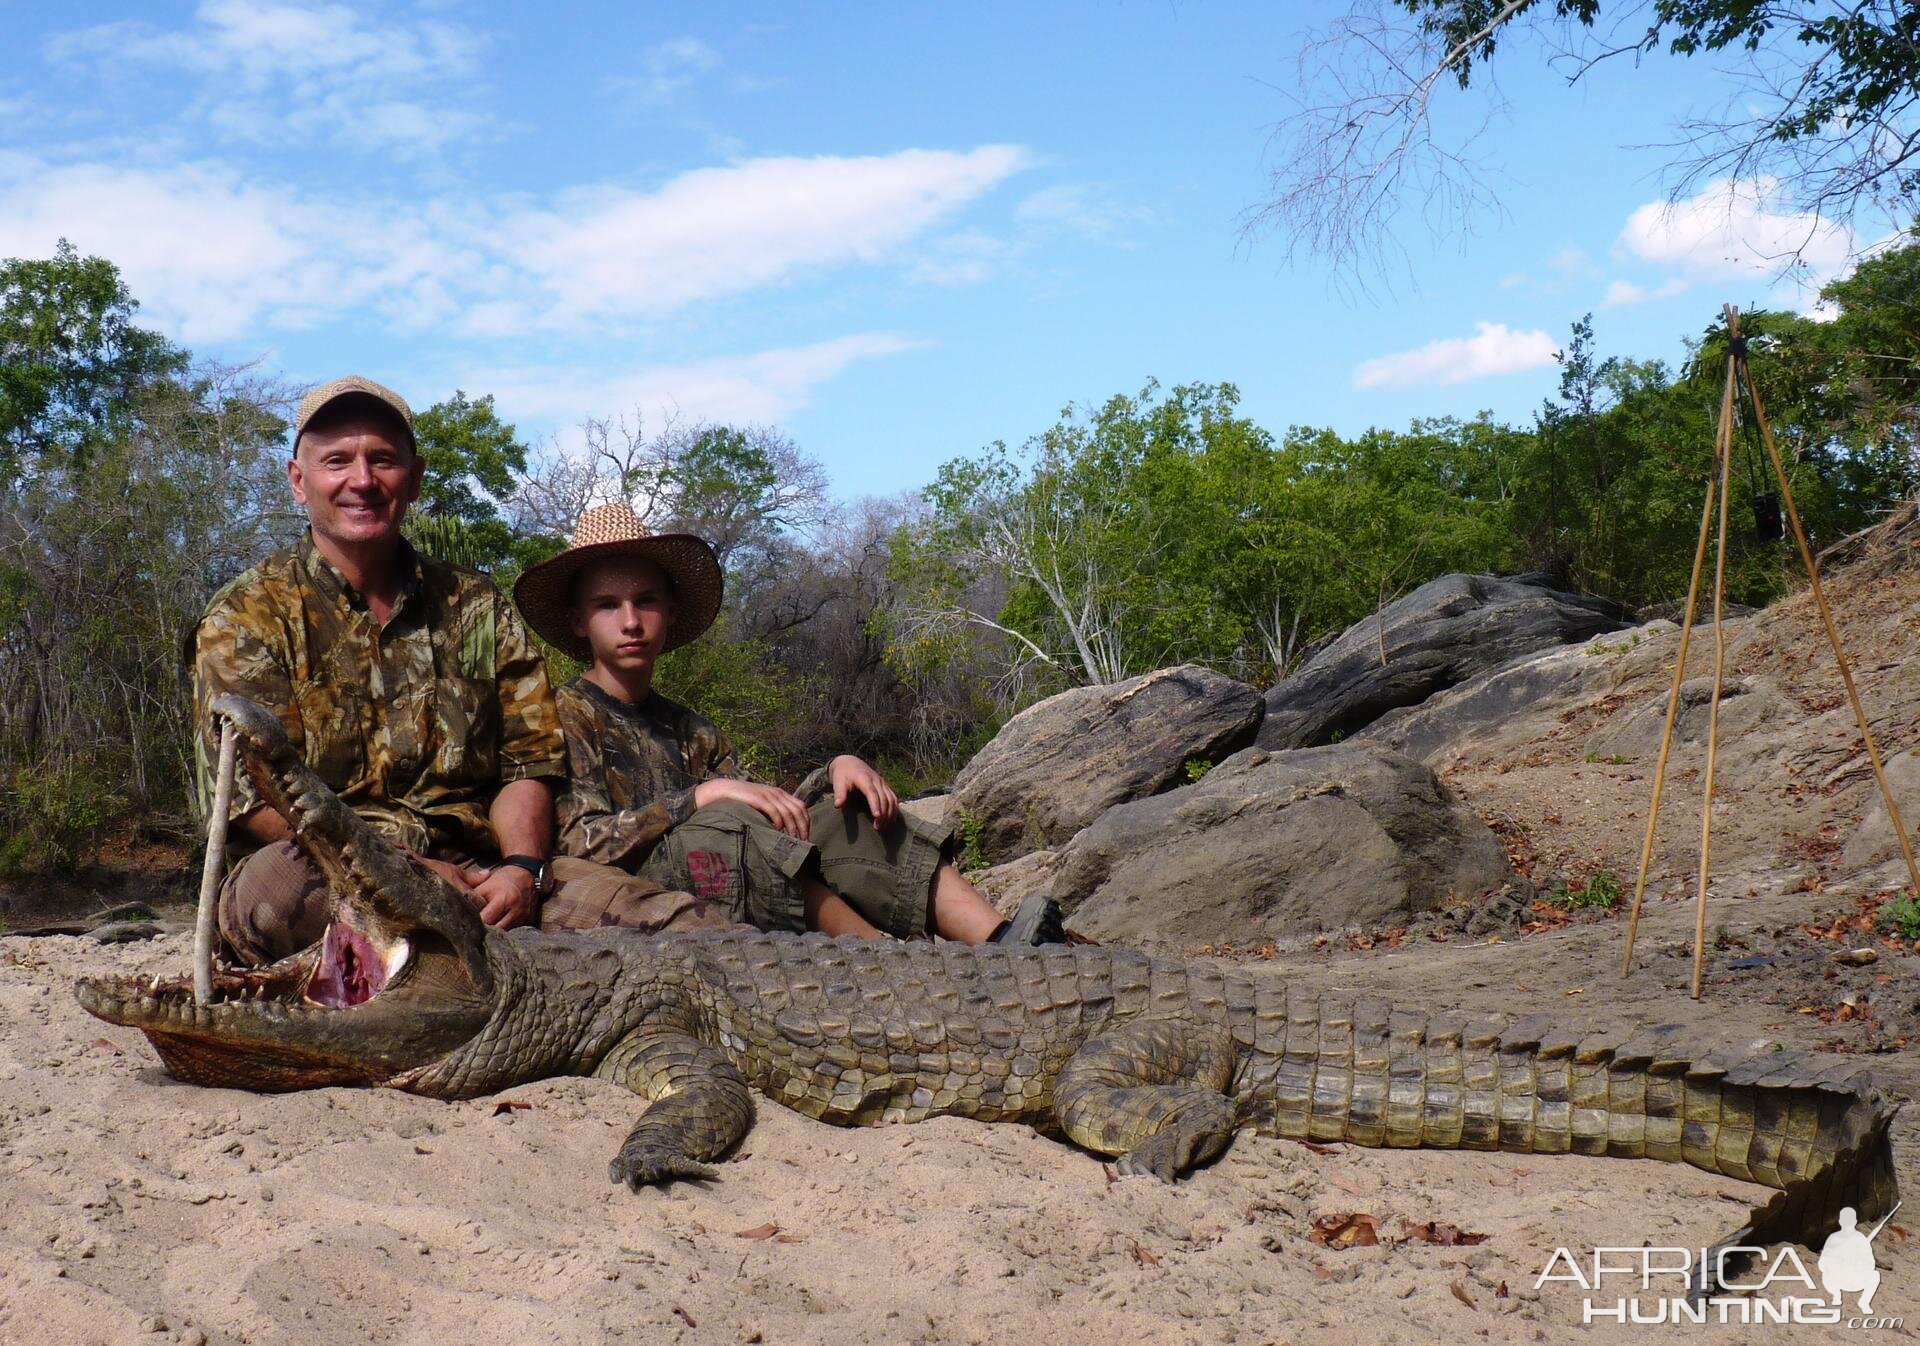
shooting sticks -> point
(1720, 481)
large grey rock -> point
(1493, 713)
(1443, 633)
(1273, 845)
(1874, 842)
(1006, 886)
(1058, 765)
(1755, 720)
(934, 810)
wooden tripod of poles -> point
(1719, 483)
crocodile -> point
(1158, 1063)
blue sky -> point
(898, 231)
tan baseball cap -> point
(353, 386)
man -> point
(408, 684)
(655, 789)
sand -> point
(137, 1209)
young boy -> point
(655, 788)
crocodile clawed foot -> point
(654, 1167)
(1157, 1157)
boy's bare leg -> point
(960, 911)
(830, 914)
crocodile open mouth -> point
(352, 969)
(398, 978)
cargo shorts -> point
(731, 855)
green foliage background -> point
(1156, 527)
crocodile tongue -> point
(352, 969)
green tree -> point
(736, 682)
(474, 460)
(1873, 381)
(1157, 529)
(71, 358)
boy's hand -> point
(850, 775)
(783, 810)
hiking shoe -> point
(1039, 921)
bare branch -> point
(1359, 156)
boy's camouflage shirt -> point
(417, 725)
(632, 769)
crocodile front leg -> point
(699, 1106)
(1152, 1091)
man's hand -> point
(850, 775)
(507, 896)
(783, 810)
(463, 880)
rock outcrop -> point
(1440, 635)
(1490, 713)
(1272, 845)
(1873, 842)
(1060, 764)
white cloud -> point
(1494, 348)
(1572, 264)
(964, 258)
(217, 257)
(1623, 292)
(721, 231)
(667, 68)
(1731, 231)
(271, 72)
(213, 256)
(765, 386)
(1088, 208)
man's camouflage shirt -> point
(416, 724)
(632, 769)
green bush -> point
(738, 685)
(51, 813)
(1602, 890)
(972, 832)
(1902, 916)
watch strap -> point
(542, 870)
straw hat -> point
(544, 591)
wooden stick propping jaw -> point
(211, 867)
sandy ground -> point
(137, 1209)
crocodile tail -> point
(1372, 1076)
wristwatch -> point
(542, 871)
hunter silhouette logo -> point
(1846, 1259)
